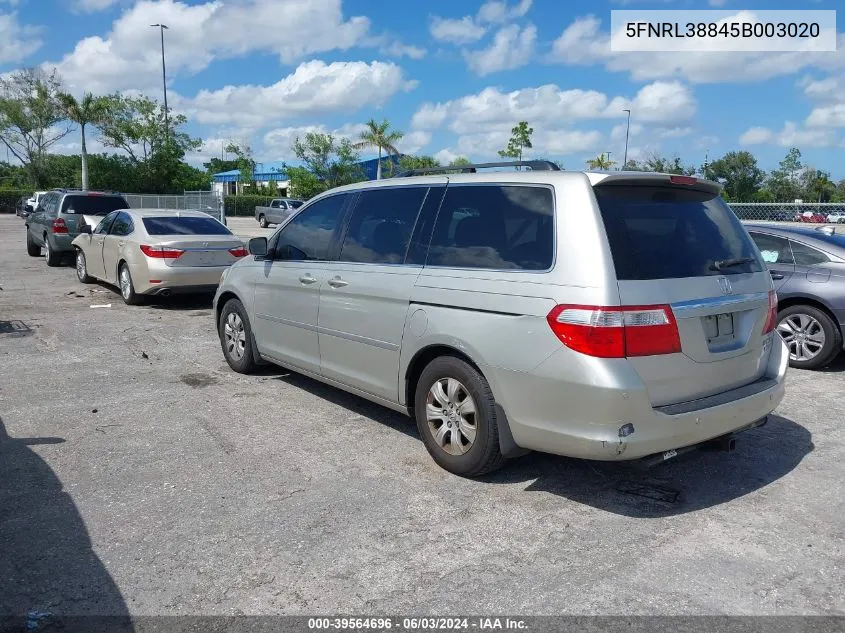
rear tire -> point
(262, 222)
(52, 257)
(811, 336)
(127, 288)
(32, 249)
(456, 418)
(236, 339)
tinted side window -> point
(381, 225)
(103, 227)
(48, 203)
(807, 256)
(775, 250)
(309, 234)
(122, 225)
(274, 204)
(494, 226)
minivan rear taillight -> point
(772, 317)
(616, 331)
(58, 226)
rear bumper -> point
(61, 243)
(175, 280)
(586, 419)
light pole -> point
(162, 27)
(627, 130)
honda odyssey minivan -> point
(608, 316)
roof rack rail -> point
(535, 165)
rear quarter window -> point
(659, 232)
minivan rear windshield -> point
(93, 205)
(186, 225)
(660, 232)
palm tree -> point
(377, 135)
(90, 110)
(601, 162)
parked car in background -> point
(22, 207)
(837, 217)
(34, 199)
(640, 325)
(808, 269)
(811, 217)
(782, 215)
(60, 216)
(147, 252)
(279, 210)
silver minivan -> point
(608, 316)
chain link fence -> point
(206, 201)
(808, 212)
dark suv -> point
(59, 218)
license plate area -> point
(718, 328)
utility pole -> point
(161, 28)
(627, 131)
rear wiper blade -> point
(719, 264)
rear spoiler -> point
(649, 178)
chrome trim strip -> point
(717, 302)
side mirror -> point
(258, 246)
(85, 228)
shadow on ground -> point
(48, 569)
(689, 482)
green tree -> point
(90, 110)
(326, 163)
(460, 161)
(783, 183)
(380, 136)
(601, 162)
(816, 185)
(408, 162)
(154, 142)
(739, 173)
(217, 165)
(31, 117)
(244, 162)
(519, 141)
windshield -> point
(188, 225)
(294, 204)
(668, 232)
(93, 205)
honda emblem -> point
(725, 285)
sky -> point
(453, 76)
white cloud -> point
(828, 89)
(584, 43)
(828, 116)
(413, 142)
(314, 88)
(546, 142)
(498, 11)
(548, 106)
(130, 55)
(618, 132)
(457, 31)
(791, 135)
(511, 48)
(92, 6)
(17, 41)
(446, 156)
(398, 49)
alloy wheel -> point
(803, 335)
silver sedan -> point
(156, 252)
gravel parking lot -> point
(139, 474)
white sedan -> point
(160, 252)
(837, 217)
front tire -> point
(82, 268)
(32, 249)
(811, 336)
(236, 339)
(127, 288)
(456, 417)
(52, 257)
(262, 222)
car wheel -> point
(236, 337)
(456, 417)
(262, 222)
(52, 257)
(811, 336)
(82, 268)
(32, 249)
(127, 288)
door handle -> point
(121, 243)
(337, 282)
(776, 275)
(307, 279)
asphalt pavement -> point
(139, 474)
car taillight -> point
(616, 331)
(161, 252)
(683, 180)
(772, 318)
(59, 226)
(239, 251)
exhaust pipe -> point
(165, 292)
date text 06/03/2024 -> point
(417, 623)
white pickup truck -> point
(279, 210)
